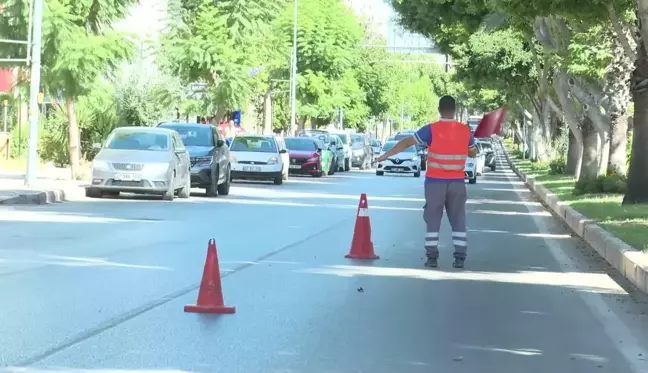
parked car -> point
(326, 140)
(489, 154)
(474, 167)
(141, 160)
(346, 144)
(337, 147)
(209, 155)
(309, 156)
(259, 157)
(362, 154)
(403, 162)
(375, 146)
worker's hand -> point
(381, 158)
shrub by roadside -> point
(598, 199)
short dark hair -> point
(447, 103)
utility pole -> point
(5, 104)
(34, 90)
(293, 84)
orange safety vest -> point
(446, 158)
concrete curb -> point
(632, 263)
(36, 197)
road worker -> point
(449, 144)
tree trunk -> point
(604, 156)
(638, 170)
(618, 92)
(591, 155)
(574, 156)
(220, 114)
(267, 113)
(73, 138)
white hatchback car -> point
(259, 157)
(474, 167)
(406, 162)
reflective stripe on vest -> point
(448, 152)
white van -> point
(259, 157)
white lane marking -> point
(618, 332)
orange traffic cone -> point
(361, 246)
(210, 296)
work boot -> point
(431, 263)
(459, 262)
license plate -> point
(128, 177)
(295, 167)
(397, 169)
(249, 168)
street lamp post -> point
(293, 78)
(34, 90)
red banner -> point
(6, 80)
(491, 123)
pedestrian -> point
(449, 144)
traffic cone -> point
(210, 296)
(361, 246)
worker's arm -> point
(472, 147)
(399, 147)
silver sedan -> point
(141, 160)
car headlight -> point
(313, 159)
(273, 160)
(414, 159)
(100, 165)
(208, 159)
(157, 167)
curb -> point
(36, 198)
(632, 263)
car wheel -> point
(417, 174)
(212, 188)
(332, 167)
(473, 180)
(224, 188)
(380, 173)
(93, 193)
(169, 195)
(278, 180)
(347, 164)
(185, 192)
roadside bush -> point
(557, 166)
(611, 184)
(539, 166)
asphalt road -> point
(101, 284)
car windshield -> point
(138, 140)
(390, 144)
(375, 143)
(345, 139)
(356, 139)
(305, 144)
(402, 136)
(253, 144)
(194, 136)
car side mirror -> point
(220, 143)
(96, 146)
(283, 151)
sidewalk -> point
(48, 189)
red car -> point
(306, 156)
